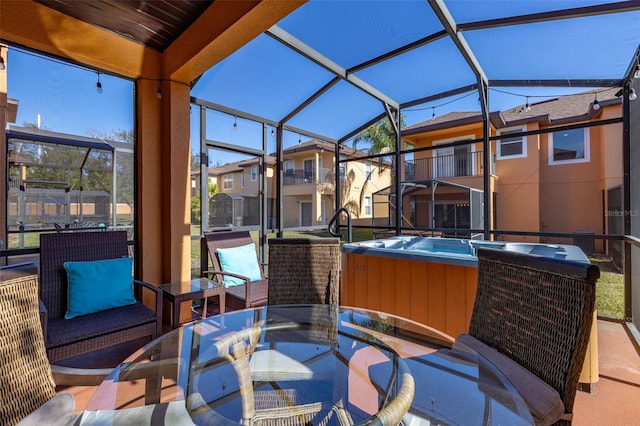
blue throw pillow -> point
(240, 260)
(98, 285)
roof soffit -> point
(30, 24)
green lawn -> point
(609, 290)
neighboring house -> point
(195, 181)
(566, 181)
(236, 203)
(309, 187)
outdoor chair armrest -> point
(265, 267)
(247, 286)
(71, 376)
(44, 318)
(142, 285)
(231, 274)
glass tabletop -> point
(192, 286)
(321, 364)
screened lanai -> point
(331, 70)
(327, 70)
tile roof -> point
(563, 109)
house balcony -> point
(304, 182)
(467, 164)
(306, 177)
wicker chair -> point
(27, 389)
(537, 312)
(250, 294)
(65, 338)
(304, 270)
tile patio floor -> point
(613, 400)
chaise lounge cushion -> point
(543, 401)
(112, 276)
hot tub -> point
(433, 280)
(455, 251)
(428, 279)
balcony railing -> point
(445, 166)
(302, 177)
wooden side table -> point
(199, 288)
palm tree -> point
(381, 138)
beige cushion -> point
(541, 399)
(173, 413)
(58, 411)
(271, 365)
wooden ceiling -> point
(153, 23)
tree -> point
(212, 190)
(124, 164)
(381, 138)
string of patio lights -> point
(527, 108)
(99, 86)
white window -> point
(342, 170)
(254, 173)
(569, 146)
(242, 179)
(309, 170)
(367, 170)
(227, 181)
(288, 168)
(367, 205)
(511, 147)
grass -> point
(609, 289)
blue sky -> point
(266, 79)
(66, 96)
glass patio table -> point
(304, 364)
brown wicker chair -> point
(27, 389)
(537, 312)
(65, 338)
(304, 270)
(242, 296)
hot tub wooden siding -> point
(435, 294)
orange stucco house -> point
(549, 173)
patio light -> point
(637, 73)
(235, 123)
(99, 85)
(527, 107)
(596, 105)
(632, 94)
(159, 91)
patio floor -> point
(612, 400)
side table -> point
(199, 288)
